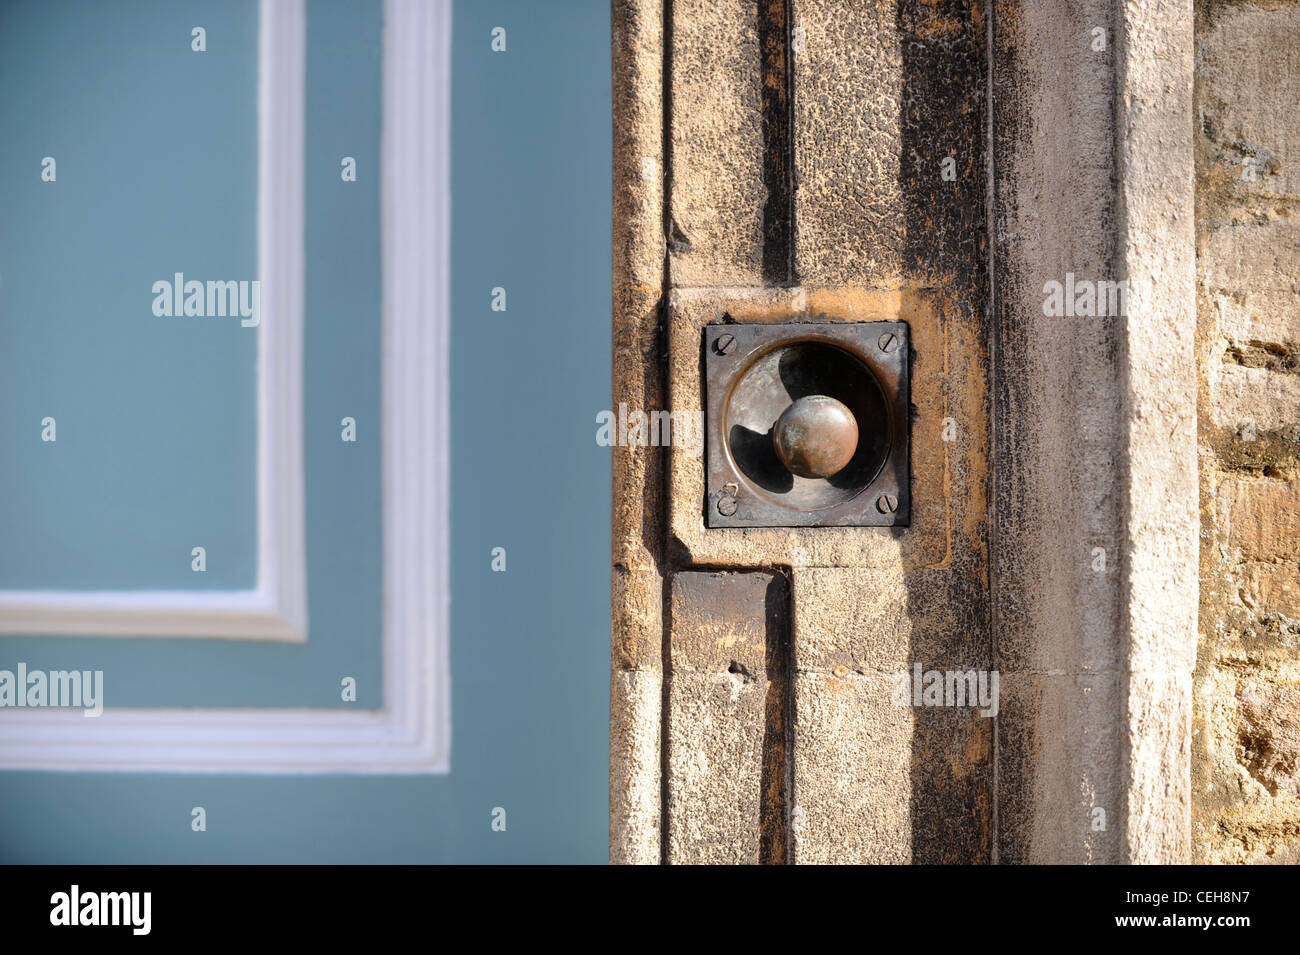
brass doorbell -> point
(807, 424)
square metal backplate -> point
(752, 369)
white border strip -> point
(416, 230)
(1155, 50)
(412, 733)
(277, 608)
(282, 540)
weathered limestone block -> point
(1263, 518)
(727, 703)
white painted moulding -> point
(276, 609)
(412, 733)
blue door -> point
(303, 523)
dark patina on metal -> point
(807, 424)
(815, 437)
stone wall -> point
(1246, 736)
(921, 161)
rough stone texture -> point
(726, 734)
(897, 617)
(1056, 437)
(634, 760)
(636, 51)
(1076, 813)
(857, 749)
(884, 92)
(853, 777)
(1263, 587)
(1248, 72)
(1262, 518)
(1246, 806)
(636, 599)
(804, 161)
(1156, 249)
(637, 492)
(1245, 397)
(1254, 269)
(850, 81)
(1269, 734)
(805, 147)
(718, 192)
(878, 599)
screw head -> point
(726, 505)
(725, 344)
(887, 503)
(887, 342)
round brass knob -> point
(815, 437)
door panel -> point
(530, 146)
